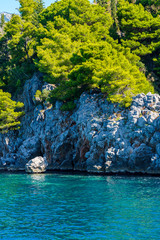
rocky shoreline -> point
(13, 170)
(97, 137)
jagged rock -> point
(155, 139)
(158, 149)
(110, 154)
(97, 136)
(30, 88)
(36, 165)
(155, 166)
(152, 116)
(48, 86)
(30, 148)
(66, 165)
(138, 100)
(141, 122)
(7, 161)
(141, 158)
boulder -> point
(36, 165)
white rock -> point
(36, 165)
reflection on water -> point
(37, 177)
(54, 206)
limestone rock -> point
(36, 165)
(141, 122)
(30, 88)
(48, 87)
(30, 148)
(141, 157)
(97, 136)
(158, 149)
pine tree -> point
(8, 112)
(70, 43)
(29, 9)
(105, 4)
(20, 43)
(4, 61)
(76, 53)
(103, 66)
(153, 6)
(40, 6)
(139, 29)
(2, 20)
(113, 9)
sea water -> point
(64, 206)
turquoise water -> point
(54, 206)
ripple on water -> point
(54, 206)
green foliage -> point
(76, 53)
(20, 39)
(8, 114)
(68, 106)
(63, 36)
(140, 31)
(105, 4)
(153, 6)
(17, 52)
(2, 20)
(42, 96)
(70, 43)
(75, 12)
(157, 65)
(38, 95)
(102, 65)
(113, 9)
(17, 46)
(29, 9)
(4, 59)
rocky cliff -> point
(97, 136)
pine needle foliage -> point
(71, 43)
(8, 112)
(76, 53)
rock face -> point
(30, 88)
(97, 136)
(36, 165)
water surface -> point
(58, 206)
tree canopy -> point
(111, 45)
(8, 112)
(140, 30)
(77, 55)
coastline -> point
(97, 137)
(80, 173)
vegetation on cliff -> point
(111, 45)
(8, 112)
